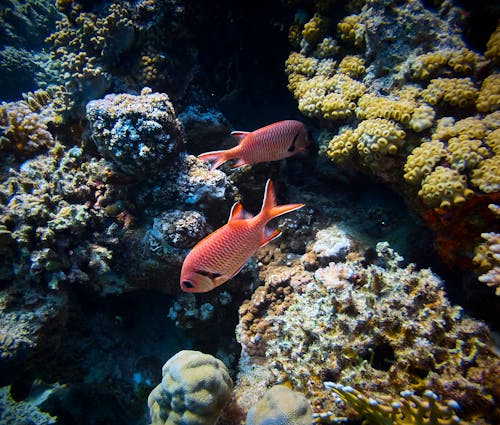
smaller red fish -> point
(271, 143)
(221, 255)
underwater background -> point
(380, 300)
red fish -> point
(221, 255)
(271, 143)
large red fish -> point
(271, 143)
(221, 255)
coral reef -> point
(415, 101)
(380, 327)
(86, 46)
(136, 133)
(23, 132)
(280, 406)
(194, 389)
(12, 412)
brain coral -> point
(280, 406)
(136, 133)
(194, 389)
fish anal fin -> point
(239, 213)
(269, 235)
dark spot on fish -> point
(208, 274)
(292, 147)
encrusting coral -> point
(194, 390)
(280, 406)
(137, 133)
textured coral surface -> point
(104, 106)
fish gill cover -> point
(105, 105)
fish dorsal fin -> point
(269, 235)
(240, 135)
(238, 213)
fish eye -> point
(187, 284)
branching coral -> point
(23, 132)
(87, 45)
(408, 409)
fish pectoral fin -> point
(239, 163)
(269, 235)
(215, 278)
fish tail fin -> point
(215, 158)
(269, 207)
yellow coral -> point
(493, 46)
(465, 153)
(444, 187)
(488, 99)
(326, 48)
(315, 29)
(373, 106)
(421, 162)
(487, 175)
(300, 64)
(454, 91)
(294, 35)
(372, 139)
(328, 98)
(22, 131)
(353, 66)
(341, 146)
(445, 62)
(422, 118)
(492, 121)
(493, 141)
(487, 258)
(352, 30)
